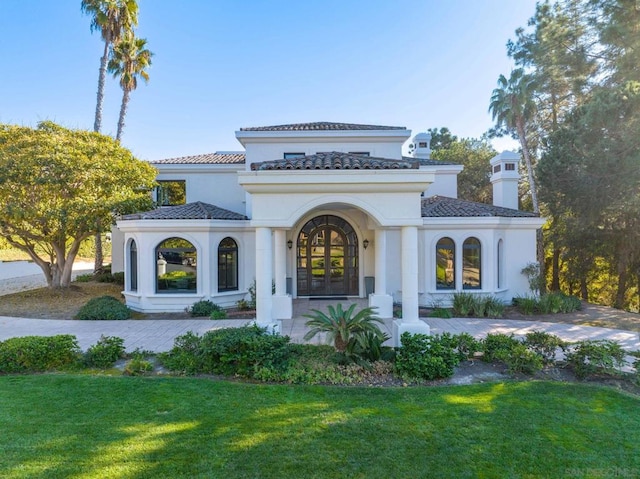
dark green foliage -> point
(243, 305)
(520, 359)
(592, 357)
(218, 314)
(368, 347)
(426, 357)
(104, 308)
(105, 352)
(467, 345)
(469, 304)
(229, 351)
(137, 366)
(463, 303)
(440, 313)
(203, 308)
(495, 345)
(84, 278)
(551, 303)
(493, 307)
(544, 344)
(38, 353)
(108, 277)
(525, 304)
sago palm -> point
(129, 60)
(342, 326)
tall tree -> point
(112, 18)
(129, 60)
(59, 186)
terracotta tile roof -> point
(321, 126)
(444, 207)
(334, 160)
(189, 211)
(217, 158)
(427, 162)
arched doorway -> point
(327, 258)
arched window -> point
(176, 266)
(500, 261)
(445, 264)
(227, 265)
(133, 266)
(471, 272)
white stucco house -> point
(323, 210)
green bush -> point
(544, 344)
(550, 303)
(464, 303)
(38, 353)
(592, 357)
(230, 351)
(466, 345)
(108, 277)
(104, 308)
(520, 359)
(203, 308)
(105, 352)
(137, 366)
(494, 346)
(84, 278)
(440, 313)
(243, 305)
(367, 348)
(493, 307)
(425, 357)
(218, 314)
(526, 304)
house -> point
(324, 210)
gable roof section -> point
(216, 158)
(444, 207)
(335, 160)
(190, 211)
(321, 126)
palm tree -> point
(112, 18)
(129, 60)
(512, 106)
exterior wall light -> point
(365, 243)
(290, 244)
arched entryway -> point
(327, 258)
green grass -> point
(95, 427)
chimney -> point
(421, 146)
(504, 178)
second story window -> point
(360, 153)
(293, 156)
(171, 193)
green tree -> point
(60, 186)
(130, 59)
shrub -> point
(203, 308)
(463, 303)
(495, 345)
(185, 356)
(342, 326)
(137, 366)
(243, 305)
(596, 357)
(466, 345)
(493, 307)
(368, 347)
(440, 313)
(536, 280)
(550, 303)
(520, 359)
(105, 352)
(425, 357)
(84, 278)
(104, 308)
(38, 353)
(544, 344)
(108, 277)
(218, 314)
(525, 304)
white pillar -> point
(282, 302)
(410, 321)
(264, 269)
(380, 300)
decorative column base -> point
(282, 307)
(272, 327)
(412, 327)
(383, 303)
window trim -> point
(234, 251)
(157, 278)
(452, 248)
(467, 246)
(160, 196)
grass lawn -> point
(117, 427)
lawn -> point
(117, 427)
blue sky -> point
(224, 64)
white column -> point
(280, 261)
(282, 307)
(264, 264)
(380, 300)
(381, 261)
(410, 321)
(409, 274)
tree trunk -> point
(102, 74)
(99, 257)
(123, 113)
(584, 292)
(622, 282)
(555, 270)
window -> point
(509, 166)
(293, 156)
(496, 169)
(500, 264)
(227, 265)
(176, 266)
(171, 193)
(360, 153)
(422, 144)
(471, 264)
(133, 266)
(445, 264)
